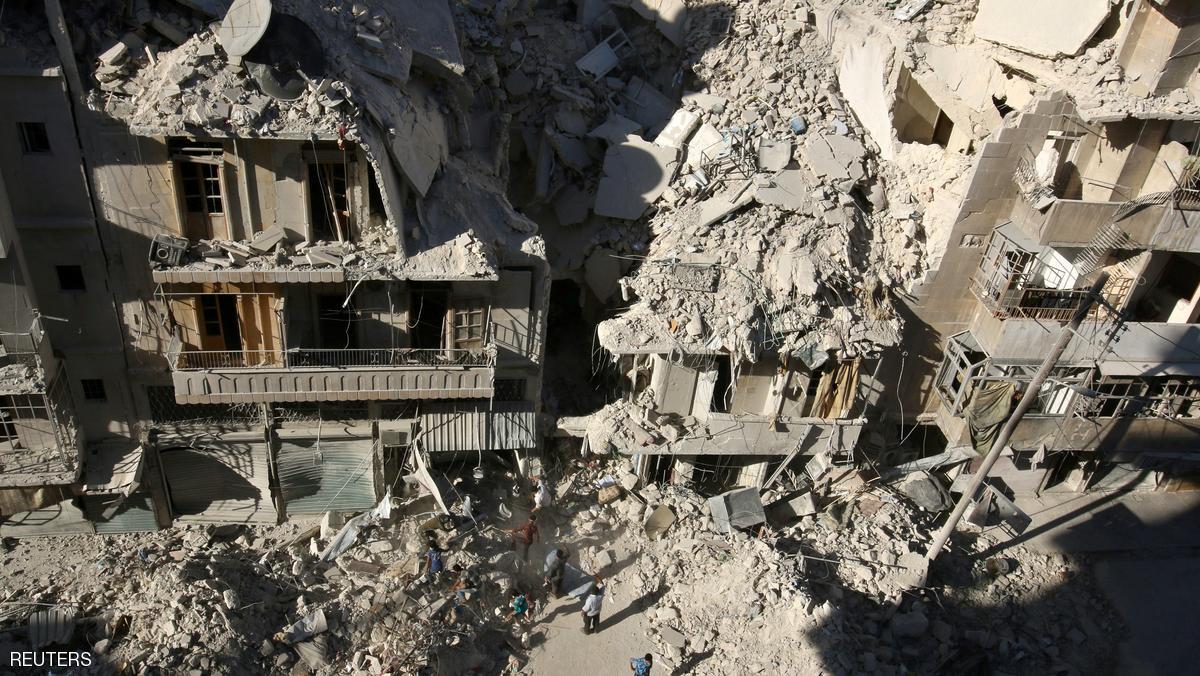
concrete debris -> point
(1045, 29)
(635, 174)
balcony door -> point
(220, 329)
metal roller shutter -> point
(335, 474)
(478, 427)
(135, 515)
(220, 481)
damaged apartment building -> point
(256, 247)
(1076, 126)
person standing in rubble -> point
(434, 563)
(541, 496)
(640, 666)
(519, 607)
(524, 536)
(591, 610)
(554, 570)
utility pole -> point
(1027, 399)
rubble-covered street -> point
(828, 594)
(441, 337)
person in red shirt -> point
(525, 535)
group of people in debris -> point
(464, 584)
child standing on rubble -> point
(434, 563)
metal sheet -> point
(220, 481)
(459, 427)
(331, 474)
(134, 515)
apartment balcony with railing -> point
(39, 440)
(302, 374)
(1020, 278)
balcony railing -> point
(304, 358)
(1012, 297)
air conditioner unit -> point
(167, 249)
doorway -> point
(428, 307)
(220, 329)
(336, 328)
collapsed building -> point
(275, 254)
(1073, 155)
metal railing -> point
(300, 358)
(1012, 298)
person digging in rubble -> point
(554, 570)
(640, 666)
(464, 588)
(591, 610)
(524, 536)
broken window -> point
(469, 325)
(963, 360)
(328, 201)
(200, 184)
(34, 139)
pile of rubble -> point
(834, 590)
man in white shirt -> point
(541, 497)
(591, 610)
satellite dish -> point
(244, 25)
(286, 58)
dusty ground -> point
(823, 595)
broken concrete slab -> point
(616, 129)
(1047, 29)
(635, 174)
(788, 190)
(264, 241)
(573, 152)
(704, 146)
(672, 637)
(718, 207)
(679, 129)
(774, 155)
(572, 204)
(650, 107)
(659, 522)
(836, 158)
(739, 508)
(710, 103)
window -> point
(509, 389)
(34, 139)
(93, 389)
(201, 188)
(70, 278)
(468, 325)
(198, 181)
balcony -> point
(302, 374)
(39, 443)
